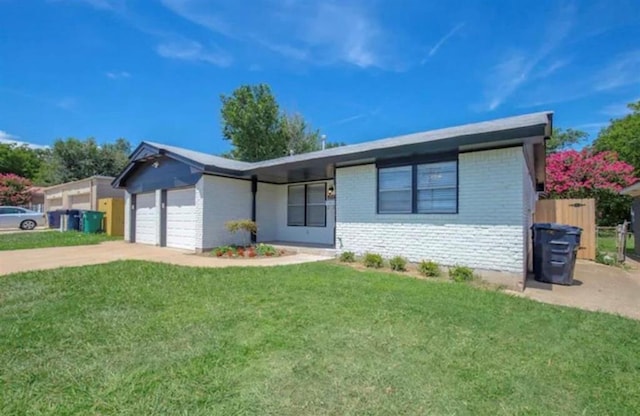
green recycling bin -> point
(92, 221)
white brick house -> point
(462, 195)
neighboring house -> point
(634, 191)
(82, 194)
(462, 195)
(37, 199)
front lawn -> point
(145, 338)
(41, 239)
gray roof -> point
(510, 131)
(509, 123)
(203, 158)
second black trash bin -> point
(555, 247)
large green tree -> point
(251, 122)
(258, 130)
(623, 137)
(562, 139)
(73, 159)
(20, 160)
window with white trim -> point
(421, 188)
(306, 205)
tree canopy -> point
(585, 174)
(14, 189)
(561, 139)
(73, 159)
(20, 160)
(258, 130)
(623, 137)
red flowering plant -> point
(14, 190)
(585, 174)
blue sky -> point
(357, 70)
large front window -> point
(306, 205)
(422, 188)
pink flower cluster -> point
(14, 189)
(574, 172)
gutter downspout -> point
(254, 191)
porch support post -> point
(254, 191)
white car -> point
(16, 217)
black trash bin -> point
(555, 247)
(74, 221)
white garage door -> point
(181, 218)
(146, 217)
(82, 201)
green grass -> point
(41, 239)
(607, 242)
(143, 338)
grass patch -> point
(41, 239)
(144, 338)
(607, 241)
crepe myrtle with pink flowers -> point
(585, 174)
(14, 190)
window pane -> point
(395, 178)
(296, 195)
(437, 175)
(437, 200)
(315, 193)
(394, 201)
(295, 215)
(316, 215)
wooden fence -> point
(577, 212)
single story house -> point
(81, 194)
(460, 196)
(634, 191)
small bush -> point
(398, 263)
(348, 257)
(373, 260)
(429, 268)
(461, 274)
(266, 250)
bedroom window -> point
(421, 188)
(306, 205)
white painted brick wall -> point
(487, 232)
(226, 199)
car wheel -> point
(28, 225)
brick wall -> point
(487, 232)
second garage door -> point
(146, 219)
(82, 201)
(181, 218)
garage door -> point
(181, 218)
(82, 201)
(146, 217)
(53, 204)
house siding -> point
(271, 218)
(486, 233)
(219, 200)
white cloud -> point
(519, 67)
(66, 103)
(117, 74)
(190, 50)
(620, 109)
(623, 71)
(442, 41)
(323, 33)
(7, 138)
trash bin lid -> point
(570, 229)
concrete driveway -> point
(54, 257)
(596, 287)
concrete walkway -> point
(54, 257)
(596, 287)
